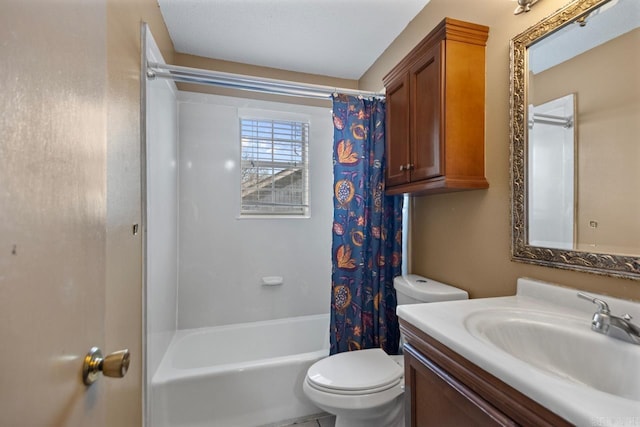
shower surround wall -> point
(162, 214)
(222, 258)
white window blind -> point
(274, 167)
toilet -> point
(365, 388)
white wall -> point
(222, 258)
(162, 215)
(551, 177)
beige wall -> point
(608, 122)
(465, 238)
(124, 250)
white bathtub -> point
(242, 375)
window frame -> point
(267, 116)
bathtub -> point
(242, 375)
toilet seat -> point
(355, 373)
(354, 392)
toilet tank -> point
(414, 289)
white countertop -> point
(576, 402)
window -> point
(274, 165)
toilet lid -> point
(355, 371)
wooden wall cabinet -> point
(435, 113)
(443, 388)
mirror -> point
(575, 145)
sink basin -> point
(564, 346)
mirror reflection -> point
(583, 133)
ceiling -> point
(337, 38)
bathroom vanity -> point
(528, 359)
(444, 388)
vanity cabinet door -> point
(442, 388)
(397, 131)
(435, 398)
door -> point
(435, 397)
(53, 213)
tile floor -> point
(326, 421)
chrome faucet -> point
(606, 323)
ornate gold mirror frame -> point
(599, 263)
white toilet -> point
(365, 388)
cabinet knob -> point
(401, 168)
(410, 167)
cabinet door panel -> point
(397, 131)
(436, 398)
(427, 87)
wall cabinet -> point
(444, 389)
(435, 113)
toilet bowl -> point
(365, 388)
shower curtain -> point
(367, 231)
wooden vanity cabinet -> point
(443, 388)
(435, 113)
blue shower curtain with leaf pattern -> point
(367, 231)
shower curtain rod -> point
(243, 82)
(550, 119)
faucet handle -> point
(627, 317)
(603, 307)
